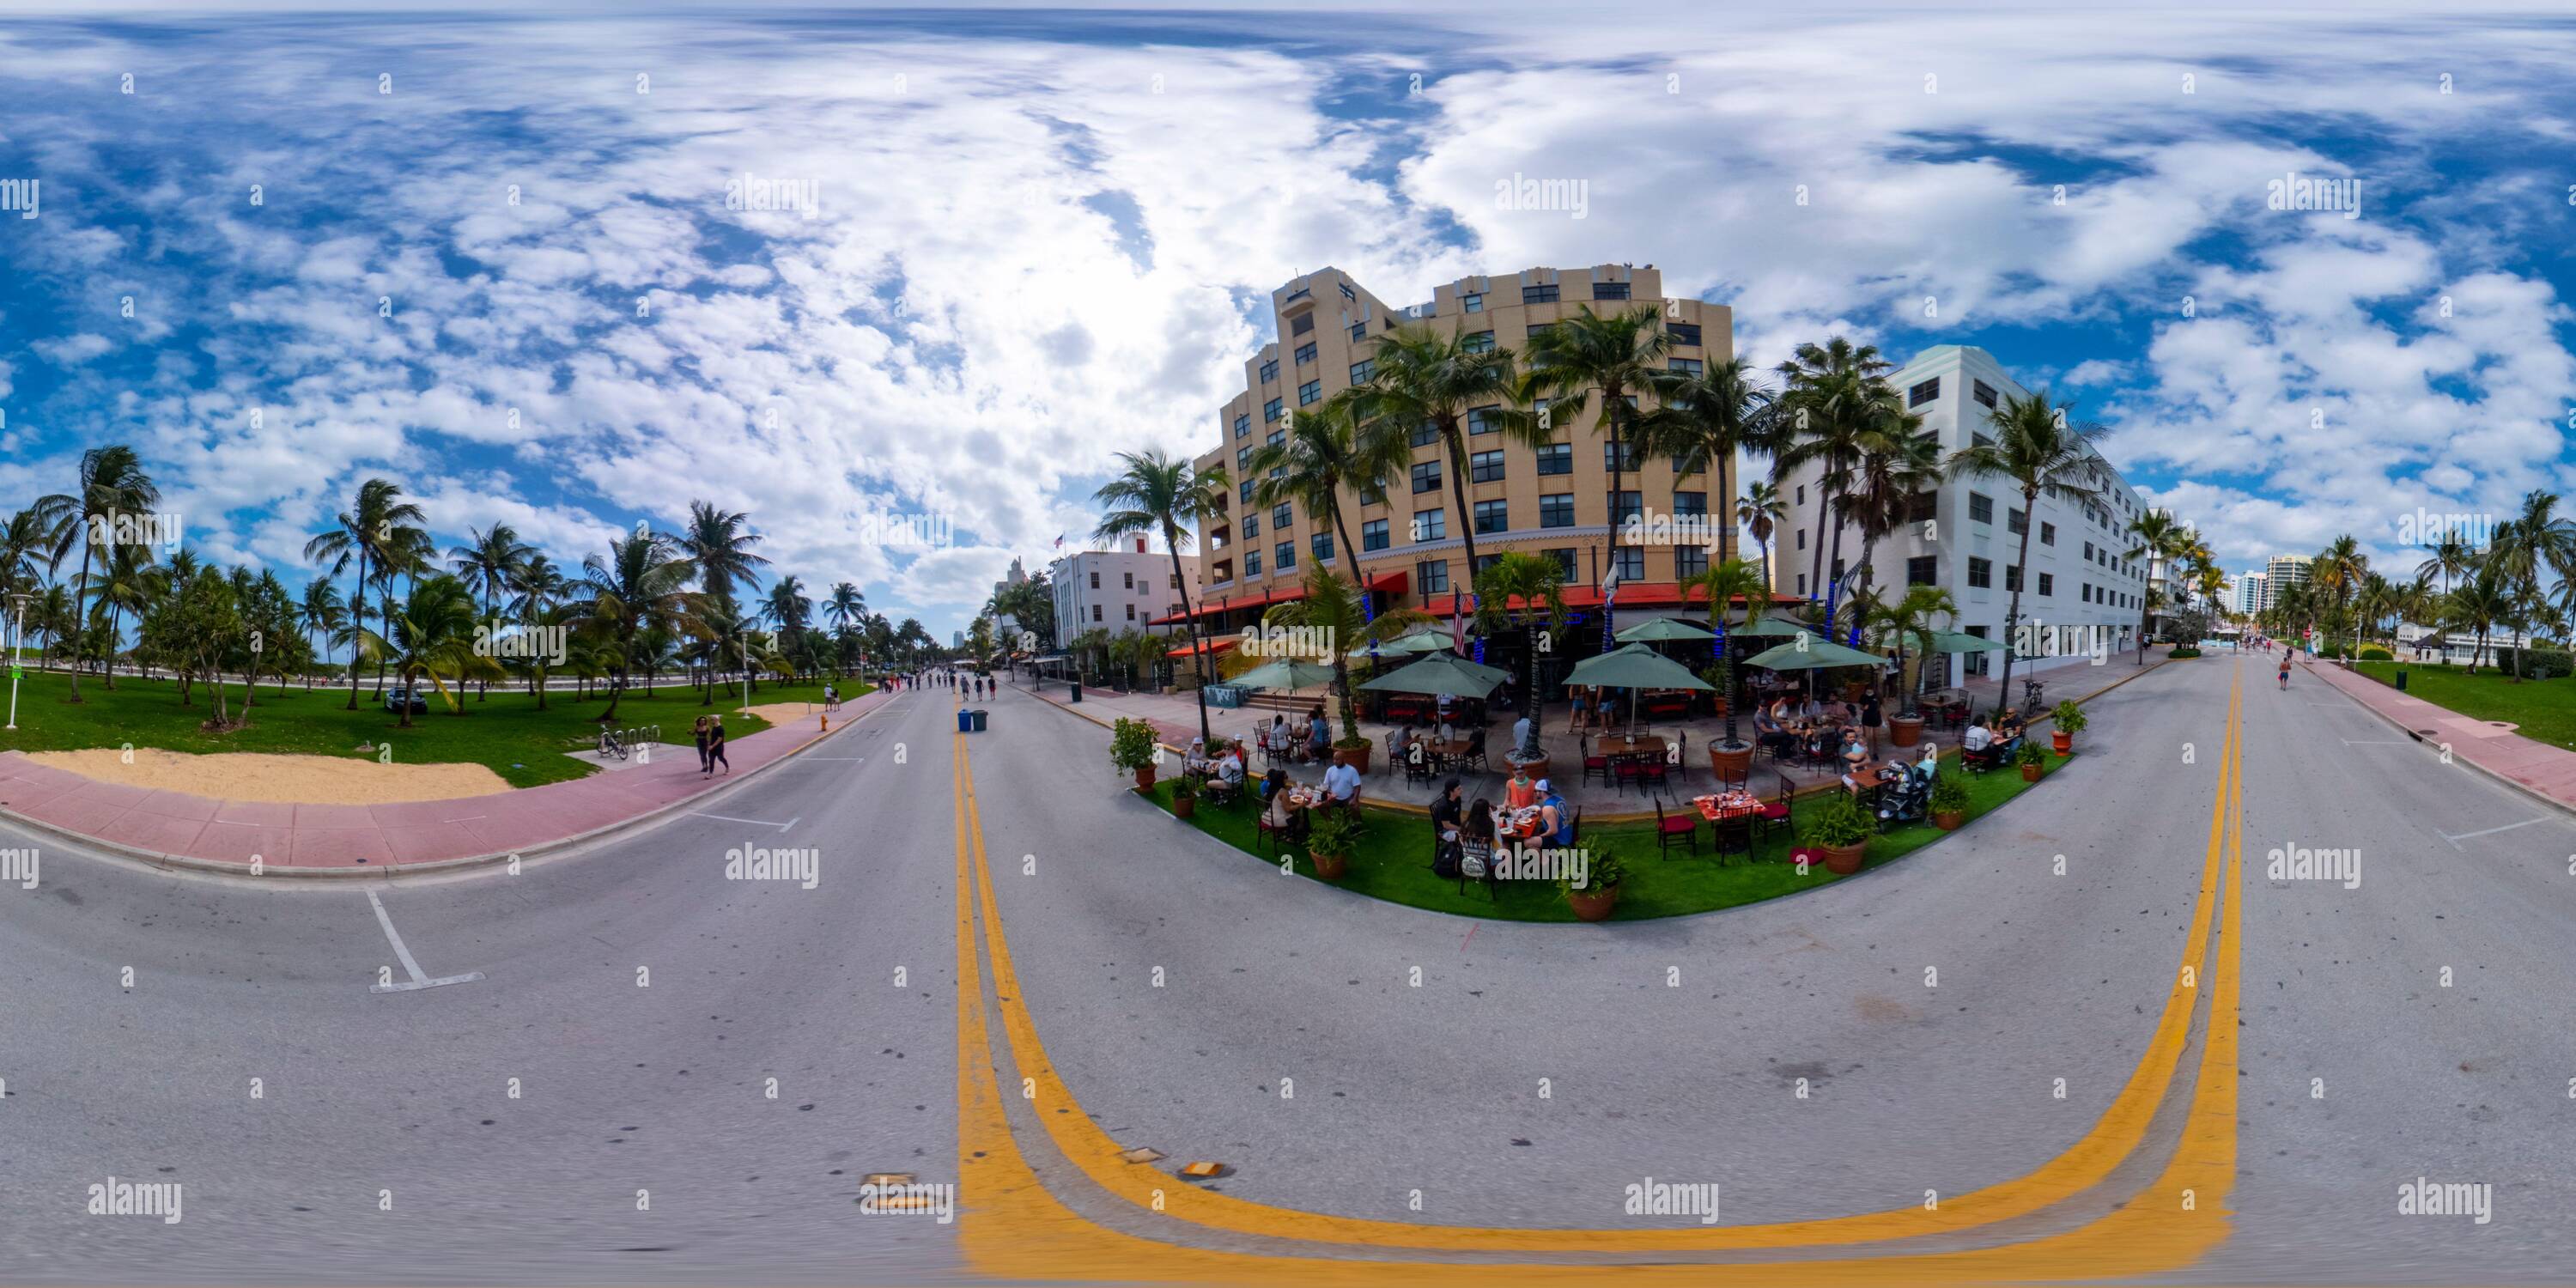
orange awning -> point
(1214, 646)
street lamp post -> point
(17, 645)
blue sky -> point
(489, 254)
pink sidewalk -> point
(2536, 767)
(201, 831)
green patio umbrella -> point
(1768, 628)
(1811, 654)
(1285, 673)
(1441, 673)
(1660, 629)
(1633, 667)
(1962, 642)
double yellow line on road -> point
(1015, 1228)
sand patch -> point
(790, 715)
(262, 776)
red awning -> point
(1634, 594)
(1217, 645)
(1390, 582)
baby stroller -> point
(1908, 799)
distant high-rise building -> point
(2251, 589)
(2280, 573)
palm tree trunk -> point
(357, 623)
(1610, 404)
(1198, 654)
(1816, 552)
(2012, 608)
(79, 595)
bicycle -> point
(610, 744)
(2031, 703)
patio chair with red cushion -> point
(1673, 828)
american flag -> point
(1059, 541)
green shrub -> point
(1949, 795)
(2183, 650)
(2376, 653)
(2538, 663)
(2070, 717)
(2029, 753)
(1131, 744)
(1334, 831)
(1838, 822)
(1603, 870)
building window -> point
(1362, 370)
(1689, 561)
(1242, 459)
(2016, 522)
(1359, 331)
(1920, 507)
(1095, 612)
(1251, 563)
(1095, 581)
(1493, 516)
(2088, 592)
(1923, 393)
(2047, 585)
(1630, 561)
(1981, 573)
(1427, 434)
(1430, 525)
(1131, 612)
(1802, 585)
(1426, 477)
(1690, 503)
(1433, 574)
(1277, 437)
(1686, 366)
(1981, 391)
(1242, 424)
(2088, 552)
(1281, 516)
(1981, 507)
(1472, 303)
(1485, 420)
(1556, 511)
(2047, 533)
(1976, 663)
(1269, 370)
(1346, 291)
(1485, 467)
(1322, 544)
(1538, 294)
(1802, 494)
(1305, 322)
(1609, 290)
(1564, 557)
(1251, 526)
(1480, 342)
(1621, 455)
(1556, 458)
(1131, 580)
(1981, 440)
(1270, 410)
(1683, 332)
(1373, 535)
(1629, 505)
(1802, 539)
(2012, 577)
(1244, 490)
(1287, 552)
(1921, 570)
(1305, 353)
(1309, 392)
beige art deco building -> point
(1553, 501)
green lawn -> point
(1394, 862)
(504, 731)
(2546, 709)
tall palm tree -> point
(2039, 453)
(1911, 617)
(789, 611)
(1323, 451)
(320, 611)
(1154, 492)
(1724, 583)
(1620, 354)
(1759, 512)
(1703, 421)
(848, 610)
(1832, 396)
(485, 564)
(642, 583)
(431, 637)
(2336, 572)
(366, 534)
(1538, 584)
(1900, 461)
(25, 558)
(124, 587)
(1333, 606)
(537, 587)
(1425, 379)
(2157, 537)
(2450, 558)
(715, 540)
(111, 481)
(2481, 601)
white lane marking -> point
(801, 759)
(2376, 742)
(402, 953)
(2455, 840)
(756, 822)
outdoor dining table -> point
(1645, 745)
(1519, 824)
(1305, 797)
(1721, 806)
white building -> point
(1116, 590)
(2080, 594)
(2251, 591)
(2281, 572)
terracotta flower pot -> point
(1951, 821)
(1145, 778)
(2030, 773)
(1904, 731)
(1184, 806)
(1730, 765)
(1592, 905)
(1331, 866)
(2063, 741)
(1355, 757)
(1842, 860)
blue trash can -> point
(979, 714)
(965, 720)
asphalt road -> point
(1444, 1073)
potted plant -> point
(1949, 803)
(1599, 893)
(2070, 722)
(1131, 747)
(1352, 750)
(1185, 796)
(1330, 839)
(2031, 759)
(1839, 829)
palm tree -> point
(1724, 583)
(848, 610)
(366, 532)
(431, 636)
(2158, 538)
(2336, 572)
(485, 564)
(1538, 584)
(1912, 616)
(1703, 421)
(1759, 512)
(320, 611)
(1423, 378)
(111, 482)
(1154, 492)
(1334, 607)
(716, 542)
(1900, 461)
(125, 586)
(2039, 453)
(1828, 405)
(24, 559)
(1621, 354)
(640, 584)
(537, 586)
(2481, 600)
(2451, 557)
(1321, 452)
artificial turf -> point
(503, 730)
(1393, 860)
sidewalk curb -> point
(179, 862)
(2563, 807)
(1424, 811)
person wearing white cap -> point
(1556, 823)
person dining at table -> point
(1342, 784)
(1479, 825)
(1767, 729)
(1275, 739)
(1229, 769)
(1858, 778)
(1319, 734)
(1276, 813)
(1521, 792)
(1447, 811)
(1195, 762)
(1402, 747)
(1556, 822)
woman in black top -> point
(715, 748)
(1871, 715)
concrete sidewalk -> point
(2490, 747)
(221, 835)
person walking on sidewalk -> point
(715, 748)
(701, 733)
(2285, 673)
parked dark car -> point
(397, 696)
